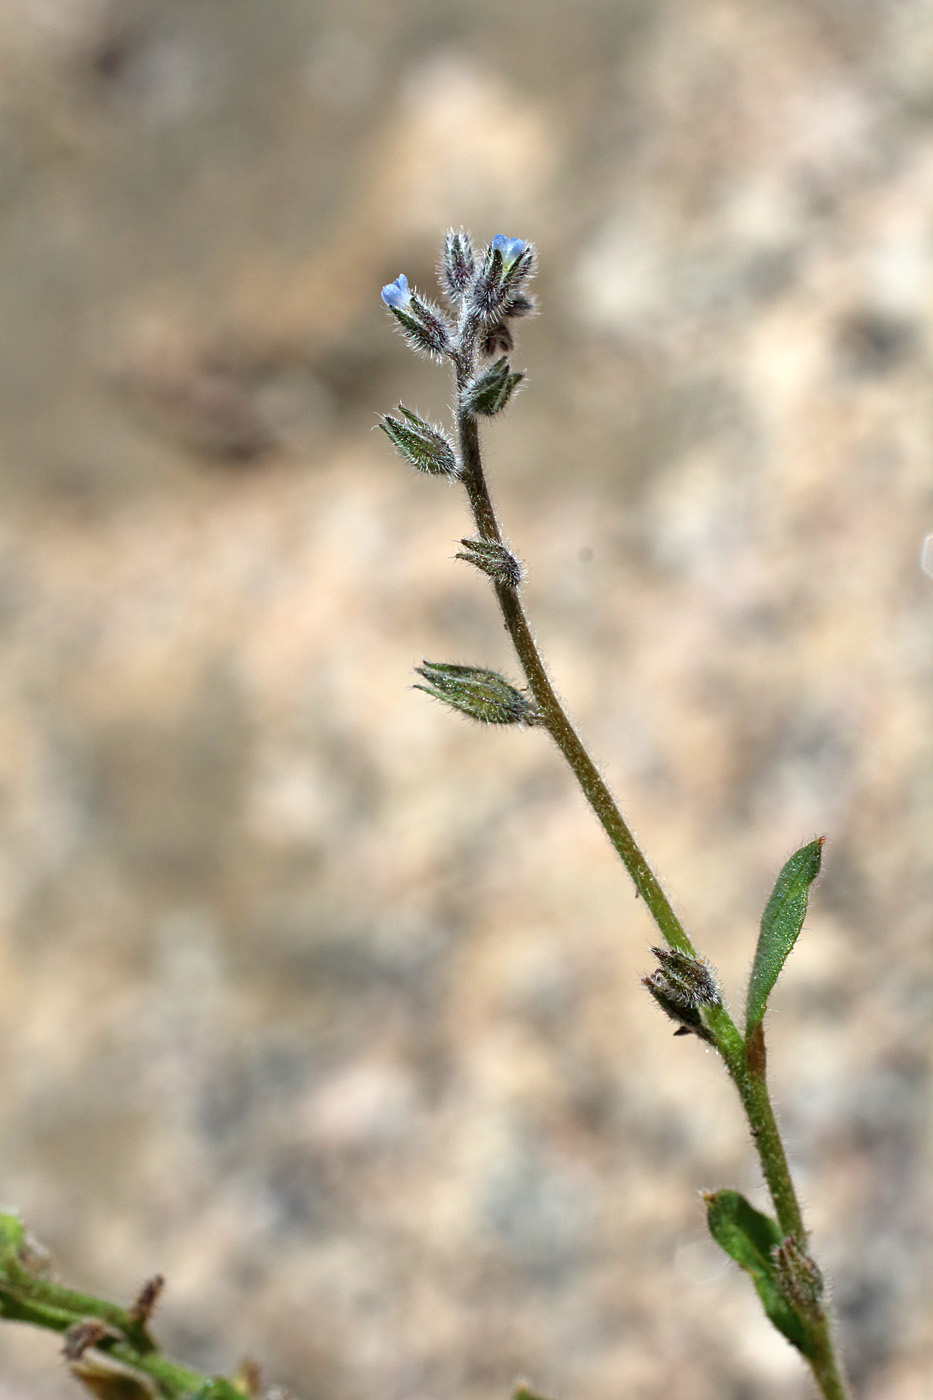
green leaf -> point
(780, 924)
(12, 1233)
(749, 1237)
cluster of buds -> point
(486, 290)
(681, 986)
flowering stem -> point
(772, 1250)
(746, 1065)
(554, 715)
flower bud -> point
(799, 1275)
(491, 390)
(680, 986)
(688, 980)
(483, 695)
(506, 266)
(426, 447)
(510, 248)
(397, 295)
(423, 324)
(492, 558)
(457, 264)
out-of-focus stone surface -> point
(314, 998)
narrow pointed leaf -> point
(749, 1237)
(780, 925)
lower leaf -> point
(750, 1238)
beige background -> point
(312, 996)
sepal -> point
(751, 1238)
(680, 986)
(506, 266)
(108, 1378)
(483, 695)
(491, 390)
(426, 447)
(458, 264)
(492, 558)
(799, 1275)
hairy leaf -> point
(780, 924)
(749, 1237)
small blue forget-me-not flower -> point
(397, 294)
(510, 248)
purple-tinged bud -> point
(520, 306)
(457, 264)
(498, 339)
(506, 266)
(799, 1275)
(680, 986)
(492, 558)
(396, 295)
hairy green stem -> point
(746, 1065)
(28, 1295)
(824, 1365)
(554, 715)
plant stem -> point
(746, 1065)
(554, 715)
(32, 1297)
(826, 1369)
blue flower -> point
(397, 294)
(510, 248)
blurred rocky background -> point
(313, 996)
